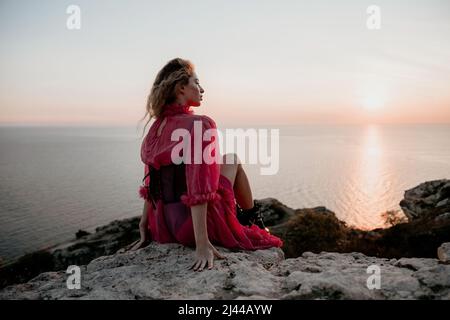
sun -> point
(373, 102)
(372, 93)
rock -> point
(444, 202)
(443, 252)
(274, 212)
(316, 229)
(81, 233)
(443, 217)
(304, 231)
(434, 278)
(105, 241)
(308, 229)
(160, 271)
(415, 263)
(428, 199)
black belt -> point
(167, 183)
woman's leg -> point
(234, 171)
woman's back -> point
(163, 136)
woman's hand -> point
(143, 230)
(204, 255)
(205, 251)
(142, 243)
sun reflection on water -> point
(369, 179)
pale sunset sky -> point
(260, 62)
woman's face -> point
(192, 93)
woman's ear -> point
(180, 89)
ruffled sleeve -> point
(202, 166)
(143, 189)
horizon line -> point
(97, 125)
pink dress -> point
(204, 184)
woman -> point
(212, 187)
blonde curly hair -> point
(169, 79)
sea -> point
(55, 181)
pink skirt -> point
(173, 223)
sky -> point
(260, 62)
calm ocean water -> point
(55, 181)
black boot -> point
(247, 217)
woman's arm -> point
(199, 222)
(202, 181)
(204, 251)
(143, 230)
(144, 220)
